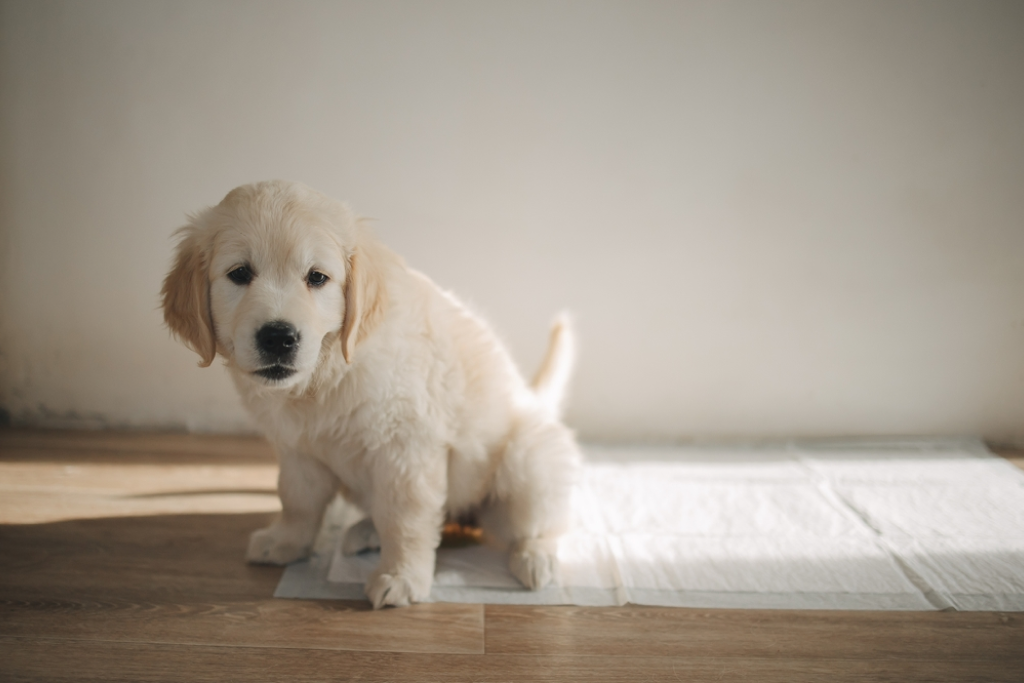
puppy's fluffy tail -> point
(552, 376)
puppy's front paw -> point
(274, 545)
(398, 589)
(360, 537)
(534, 562)
(384, 590)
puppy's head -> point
(272, 278)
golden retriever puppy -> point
(371, 381)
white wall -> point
(771, 218)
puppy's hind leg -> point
(531, 502)
(359, 537)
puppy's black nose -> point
(277, 341)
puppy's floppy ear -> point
(365, 296)
(186, 296)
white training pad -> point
(908, 524)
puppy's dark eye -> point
(241, 275)
(316, 278)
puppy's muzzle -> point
(277, 343)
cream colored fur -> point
(401, 400)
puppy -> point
(369, 380)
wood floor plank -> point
(137, 479)
(118, 554)
(96, 446)
(658, 631)
(32, 492)
(183, 579)
(303, 624)
(64, 660)
(37, 507)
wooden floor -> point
(121, 560)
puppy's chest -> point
(330, 439)
(316, 429)
(333, 432)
